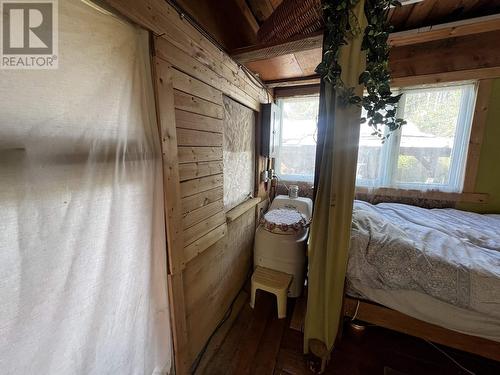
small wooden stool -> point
(273, 282)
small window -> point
(298, 133)
(430, 151)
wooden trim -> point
(454, 76)
(171, 186)
(385, 317)
(268, 51)
(164, 95)
(288, 92)
(427, 194)
(484, 89)
(178, 322)
(406, 81)
(469, 54)
(240, 209)
(287, 82)
(446, 30)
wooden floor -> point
(256, 342)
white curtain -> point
(82, 242)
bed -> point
(432, 273)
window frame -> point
(291, 177)
(480, 114)
(458, 162)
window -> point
(297, 150)
(430, 151)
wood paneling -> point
(285, 66)
(191, 103)
(267, 51)
(187, 137)
(191, 52)
(451, 76)
(218, 265)
(186, 83)
(193, 121)
(198, 185)
(183, 61)
(287, 92)
(470, 56)
(194, 217)
(456, 54)
(197, 231)
(202, 199)
(197, 247)
(308, 60)
(445, 31)
(196, 154)
(434, 12)
(191, 171)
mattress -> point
(450, 259)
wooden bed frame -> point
(382, 316)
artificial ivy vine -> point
(341, 25)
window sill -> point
(420, 194)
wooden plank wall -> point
(208, 259)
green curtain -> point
(338, 137)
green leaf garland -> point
(342, 25)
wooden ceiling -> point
(236, 23)
(262, 9)
(434, 12)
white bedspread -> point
(450, 255)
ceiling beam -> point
(247, 13)
(447, 30)
(299, 81)
(267, 51)
(403, 38)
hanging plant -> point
(342, 25)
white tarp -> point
(82, 243)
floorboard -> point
(259, 343)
